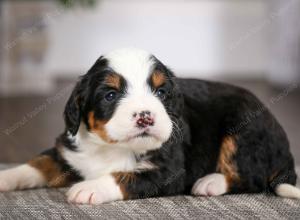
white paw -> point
(6, 181)
(21, 177)
(95, 192)
(4, 185)
(210, 185)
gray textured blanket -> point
(51, 204)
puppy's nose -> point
(144, 119)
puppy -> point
(134, 130)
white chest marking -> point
(92, 165)
(94, 159)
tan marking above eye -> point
(113, 80)
(158, 79)
(226, 165)
(98, 127)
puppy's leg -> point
(211, 185)
(21, 177)
(241, 170)
(104, 189)
(48, 169)
(126, 185)
(226, 175)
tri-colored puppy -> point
(134, 130)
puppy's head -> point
(127, 99)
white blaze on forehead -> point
(134, 65)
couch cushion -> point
(51, 204)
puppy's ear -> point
(77, 103)
(75, 106)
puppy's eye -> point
(161, 93)
(110, 96)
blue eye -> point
(161, 93)
(110, 96)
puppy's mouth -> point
(142, 135)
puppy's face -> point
(128, 99)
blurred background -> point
(46, 45)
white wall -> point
(202, 38)
(284, 54)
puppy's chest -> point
(93, 164)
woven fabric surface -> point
(52, 204)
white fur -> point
(122, 126)
(133, 64)
(136, 67)
(21, 177)
(95, 192)
(211, 185)
(287, 191)
(95, 158)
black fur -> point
(214, 110)
(203, 114)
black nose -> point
(144, 119)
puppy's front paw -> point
(210, 185)
(4, 185)
(6, 181)
(95, 192)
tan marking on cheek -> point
(123, 179)
(51, 171)
(98, 127)
(158, 79)
(226, 164)
(113, 80)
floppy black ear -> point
(75, 106)
(77, 103)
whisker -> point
(177, 134)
